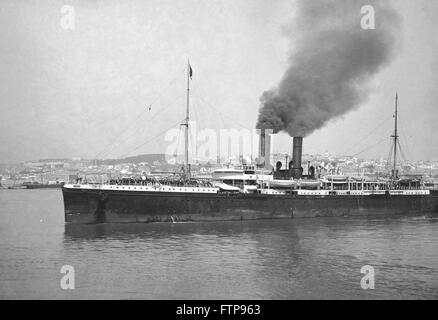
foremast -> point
(395, 137)
(186, 124)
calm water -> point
(278, 259)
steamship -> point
(247, 192)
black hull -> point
(44, 186)
(95, 206)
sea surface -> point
(315, 258)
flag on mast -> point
(190, 71)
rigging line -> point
(406, 142)
(118, 136)
(160, 95)
(366, 136)
(141, 127)
(372, 146)
(116, 142)
(388, 160)
(192, 134)
(205, 76)
(153, 138)
(401, 151)
(192, 144)
(401, 122)
(178, 141)
(406, 147)
(220, 113)
(197, 116)
(199, 126)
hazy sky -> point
(68, 93)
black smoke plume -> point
(330, 64)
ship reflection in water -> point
(264, 259)
(268, 259)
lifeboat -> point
(309, 184)
(336, 178)
(226, 187)
(282, 184)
